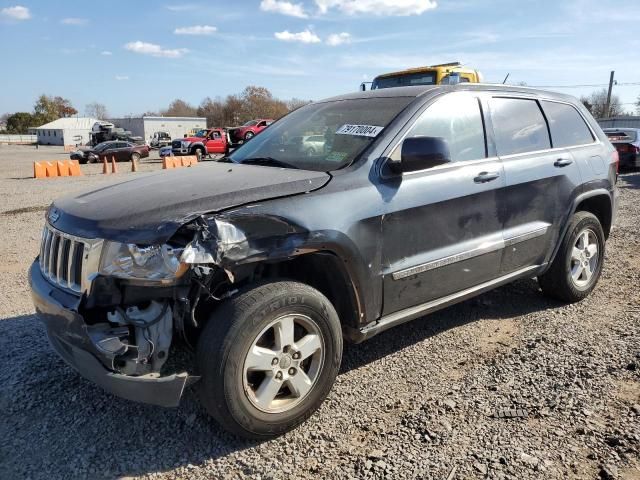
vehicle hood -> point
(190, 139)
(152, 207)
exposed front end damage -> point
(130, 335)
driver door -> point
(442, 233)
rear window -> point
(567, 126)
(405, 80)
(622, 136)
(519, 126)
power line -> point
(619, 84)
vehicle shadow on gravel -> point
(58, 425)
(507, 302)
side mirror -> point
(363, 87)
(420, 153)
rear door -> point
(441, 232)
(541, 181)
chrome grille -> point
(64, 259)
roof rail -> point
(451, 64)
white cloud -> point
(306, 36)
(377, 7)
(74, 21)
(17, 12)
(121, 77)
(283, 7)
(336, 39)
(155, 50)
(182, 8)
(196, 30)
(106, 53)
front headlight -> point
(155, 262)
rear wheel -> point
(578, 263)
(268, 358)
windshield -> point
(250, 123)
(322, 136)
(405, 80)
(201, 134)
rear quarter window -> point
(567, 126)
(519, 126)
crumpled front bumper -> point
(67, 332)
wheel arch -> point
(327, 273)
(598, 202)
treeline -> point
(253, 102)
(46, 109)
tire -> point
(196, 150)
(568, 278)
(83, 161)
(248, 136)
(229, 388)
(135, 156)
(310, 152)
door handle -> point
(562, 162)
(484, 177)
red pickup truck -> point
(205, 142)
(249, 130)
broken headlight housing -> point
(130, 261)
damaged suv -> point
(263, 263)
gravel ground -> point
(507, 385)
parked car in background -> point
(121, 151)
(627, 143)
(165, 152)
(160, 139)
(309, 144)
(423, 197)
(249, 130)
(205, 142)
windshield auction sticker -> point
(359, 130)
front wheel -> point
(268, 358)
(248, 136)
(135, 156)
(578, 263)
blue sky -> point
(138, 55)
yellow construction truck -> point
(442, 74)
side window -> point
(458, 120)
(566, 125)
(216, 135)
(519, 126)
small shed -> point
(65, 131)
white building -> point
(65, 131)
(145, 127)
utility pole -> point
(608, 105)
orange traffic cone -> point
(114, 167)
(134, 165)
(105, 169)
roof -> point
(420, 90)
(70, 123)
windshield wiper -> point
(267, 161)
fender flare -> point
(574, 206)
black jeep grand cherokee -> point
(419, 197)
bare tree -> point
(180, 108)
(96, 110)
(596, 103)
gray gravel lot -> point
(419, 401)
